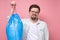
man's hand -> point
(13, 6)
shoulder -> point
(25, 20)
(42, 23)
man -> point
(34, 29)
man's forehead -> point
(34, 9)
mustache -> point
(33, 14)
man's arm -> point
(46, 32)
(13, 9)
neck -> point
(34, 21)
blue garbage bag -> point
(14, 28)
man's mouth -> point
(33, 15)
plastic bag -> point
(14, 28)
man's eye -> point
(32, 11)
(36, 12)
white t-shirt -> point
(39, 29)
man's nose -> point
(34, 13)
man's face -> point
(34, 13)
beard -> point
(33, 17)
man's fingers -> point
(13, 3)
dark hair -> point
(34, 6)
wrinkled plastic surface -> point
(14, 28)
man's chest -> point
(36, 28)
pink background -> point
(50, 12)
